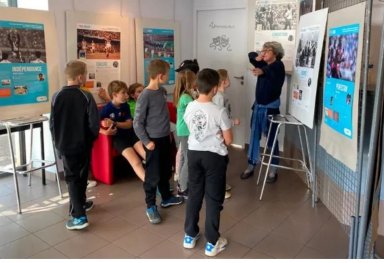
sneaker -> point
(272, 178)
(88, 206)
(190, 242)
(77, 223)
(91, 183)
(227, 194)
(153, 215)
(228, 187)
(212, 250)
(173, 200)
(183, 194)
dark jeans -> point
(207, 172)
(76, 168)
(270, 142)
(158, 170)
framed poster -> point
(276, 20)
(97, 40)
(28, 66)
(343, 55)
(306, 66)
(156, 39)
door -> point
(221, 42)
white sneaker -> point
(227, 194)
(91, 183)
(212, 250)
(190, 242)
(228, 187)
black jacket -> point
(74, 120)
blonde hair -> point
(156, 67)
(223, 73)
(276, 47)
(75, 68)
(115, 86)
(185, 81)
(133, 87)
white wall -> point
(174, 10)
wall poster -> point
(343, 54)
(306, 66)
(23, 68)
(99, 46)
(159, 43)
(157, 39)
(276, 20)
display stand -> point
(286, 120)
(20, 124)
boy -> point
(210, 132)
(222, 100)
(74, 124)
(151, 125)
(117, 121)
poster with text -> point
(276, 20)
(340, 78)
(306, 66)
(159, 44)
(343, 60)
(23, 68)
(99, 46)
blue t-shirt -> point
(117, 114)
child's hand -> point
(150, 146)
(107, 123)
(111, 130)
(235, 122)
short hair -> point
(75, 68)
(207, 79)
(116, 86)
(156, 67)
(276, 47)
(223, 73)
(132, 88)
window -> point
(35, 4)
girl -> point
(183, 94)
(134, 90)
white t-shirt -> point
(205, 122)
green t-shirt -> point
(181, 127)
(132, 107)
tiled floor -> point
(283, 225)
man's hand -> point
(257, 71)
(150, 146)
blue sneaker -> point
(212, 250)
(153, 215)
(173, 200)
(77, 223)
(190, 242)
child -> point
(134, 91)
(210, 132)
(117, 121)
(152, 126)
(74, 124)
(222, 100)
(185, 82)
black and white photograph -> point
(22, 45)
(275, 16)
(307, 48)
(305, 7)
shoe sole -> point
(157, 221)
(210, 254)
(171, 204)
(89, 208)
(77, 227)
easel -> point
(286, 120)
(21, 124)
